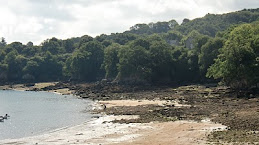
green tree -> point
(53, 45)
(50, 68)
(123, 38)
(69, 45)
(209, 52)
(67, 68)
(173, 37)
(11, 68)
(86, 62)
(2, 55)
(161, 62)
(15, 63)
(31, 70)
(237, 63)
(30, 50)
(134, 64)
(16, 46)
(85, 39)
(3, 73)
(111, 60)
(2, 42)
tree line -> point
(199, 50)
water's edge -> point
(86, 112)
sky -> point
(38, 20)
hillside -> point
(207, 25)
(155, 53)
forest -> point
(220, 48)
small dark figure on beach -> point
(4, 117)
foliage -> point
(53, 45)
(134, 61)
(209, 52)
(159, 27)
(237, 63)
(85, 63)
(212, 23)
(111, 60)
(155, 53)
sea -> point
(34, 113)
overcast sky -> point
(37, 20)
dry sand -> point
(114, 103)
(176, 133)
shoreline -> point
(108, 132)
(153, 116)
(39, 133)
(103, 131)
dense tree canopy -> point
(85, 63)
(209, 52)
(237, 63)
(111, 60)
(162, 52)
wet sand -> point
(102, 131)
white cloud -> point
(36, 20)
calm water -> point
(33, 113)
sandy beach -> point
(103, 131)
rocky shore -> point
(191, 114)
